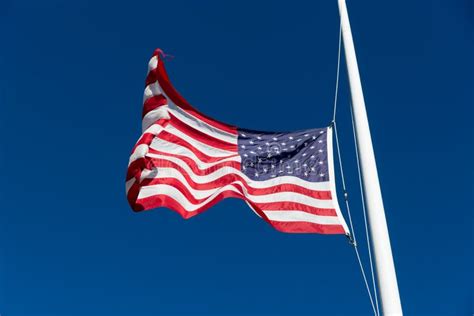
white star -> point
(267, 144)
(312, 147)
(290, 172)
(243, 146)
(256, 174)
(314, 137)
(312, 157)
(306, 174)
(259, 159)
(243, 168)
(321, 132)
(252, 152)
(291, 137)
(296, 161)
(283, 144)
(288, 167)
(306, 135)
(292, 146)
(258, 137)
(269, 155)
(321, 162)
(243, 135)
(265, 170)
(298, 140)
(321, 174)
(273, 175)
(245, 155)
(304, 154)
(273, 166)
(275, 139)
(305, 144)
(320, 150)
(281, 171)
(320, 141)
(313, 169)
(259, 148)
(305, 165)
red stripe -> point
(286, 205)
(160, 162)
(152, 103)
(161, 200)
(132, 196)
(200, 136)
(164, 135)
(135, 167)
(147, 138)
(152, 75)
(306, 227)
(229, 179)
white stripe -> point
(315, 186)
(129, 184)
(175, 194)
(151, 90)
(300, 216)
(173, 148)
(139, 152)
(201, 165)
(170, 172)
(151, 117)
(196, 123)
(153, 63)
(142, 149)
(150, 190)
(198, 144)
(154, 129)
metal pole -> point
(385, 268)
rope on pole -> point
(352, 236)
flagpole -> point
(385, 268)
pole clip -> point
(351, 239)
(346, 195)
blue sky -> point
(71, 82)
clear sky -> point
(71, 82)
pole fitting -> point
(351, 239)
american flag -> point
(187, 161)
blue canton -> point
(301, 154)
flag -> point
(187, 161)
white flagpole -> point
(385, 268)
